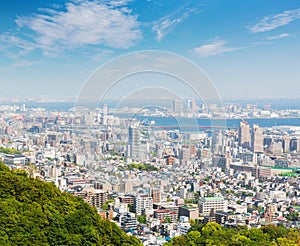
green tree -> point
(9, 151)
(167, 219)
(104, 206)
(142, 219)
(194, 236)
(210, 228)
(213, 234)
(179, 241)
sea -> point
(190, 123)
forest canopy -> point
(33, 212)
(214, 234)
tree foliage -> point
(33, 212)
(213, 234)
(9, 151)
(142, 167)
(142, 219)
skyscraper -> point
(218, 142)
(184, 154)
(134, 142)
(257, 140)
(177, 106)
(192, 106)
(244, 134)
(286, 143)
(104, 115)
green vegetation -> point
(142, 219)
(213, 234)
(33, 212)
(168, 220)
(141, 167)
(293, 216)
(9, 151)
(105, 205)
(191, 201)
(289, 174)
(131, 208)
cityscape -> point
(153, 180)
(156, 122)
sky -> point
(249, 48)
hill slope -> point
(33, 212)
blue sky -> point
(248, 48)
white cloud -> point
(271, 22)
(81, 23)
(166, 24)
(283, 35)
(216, 47)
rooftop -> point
(207, 199)
(188, 207)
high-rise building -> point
(163, 215)
(98, 198)
(192, 106)
(295, 144)
(23, 108)
(127, 221)
(143, 204)
(244, 134)
(276, 147)
(93, 196)
(218, 141)
(286, 143)
(125, 187)
(270, 212)
(184, 154)
(257, 140)
(207, 204)
(134, 142)
(104, 115)
(155, 194)
(177, 106)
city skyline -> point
(50, 48)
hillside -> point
(33, 212)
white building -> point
(143, 204)
(206, 204)
(183, 227)
(134, 142)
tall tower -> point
(134, 142)
(217, 141)
(244, 134)
(257, 140)
(23, 108)
(286, 143)
(104, 115)
(192, 106)
(177, 106)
